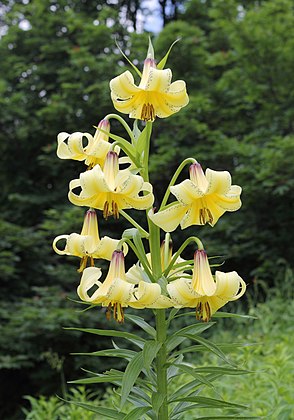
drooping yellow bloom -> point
(202, 292)
(202, 199)
(111, 189)
(155, 95)
(116, 292)
(88, 245)
(71, 146)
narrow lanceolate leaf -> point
(142, 324)
(195, 328)
(141, 142)
(128, 60)
(191, 371)
(108, 413)
(225, 347)
(229, 315)
(179, 336)
(163, 61)
(210, 346)
(150, 351)
(205, 402)
(136, 413)
(98, 379)
(109, 333)
(131, 374)
(123, 353)
(221, 370)
(226, 418)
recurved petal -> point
(106, 248)
(186, 192)
(70, 146)
(146, 294)
(177, 95)
(157, 81)
(219, 182)
(170, 218)
(122, 86)
(90, 278)
(56, 249)
(181, 292)
(118, 291)
(230, 286)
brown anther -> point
(203, 312)
(205, 216)
(108, 312)
(106, 210)
(115, 209)
(92, 262)
(148, 113)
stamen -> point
(83, 264)
(115, 209)
(118, 313)
(106, 210)
(205, 216)
(148, 113)
(203, 311)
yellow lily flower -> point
(155, 95)
(111, 190)
(71, 146)
(88, 244)
(202, 292)
(202, 199)
(115, 292)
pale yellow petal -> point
(89, 279)
(170, 218)
(186, 192)
(157, 80)
(70, 146)
(219, 182)
(106, 248)
(55, 247)
(181, 292)
(123, 86)
(229, 284)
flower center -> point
(118, 312)
(110, 208)
(203, 311)
(148, 113)
(205, 216)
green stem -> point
(161, 369)
(123, 123)
(174, 178)
(145, 169)
(181, 249)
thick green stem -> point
(161, 369)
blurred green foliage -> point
(56, 61)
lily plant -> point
(161, 281)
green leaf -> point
(136, 413)
(221, 370)
(128, 60)
(210, 346)
(99, 379)
(227, 347)
(123, 353)
(194, 328)
(132, 372)
(142, 324)
(162, 62)
(211, 402)
(103, 411)
(186, 368)
(150, 351)
(109, 333)
(229, 315)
